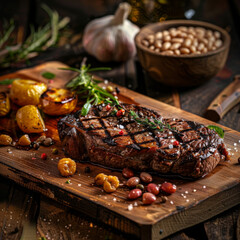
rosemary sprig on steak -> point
(155, 124)
(86, 86)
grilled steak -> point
(181, 147)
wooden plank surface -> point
(193, 202)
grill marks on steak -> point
(97, 136)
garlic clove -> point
(111, 38)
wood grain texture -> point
(194, 201)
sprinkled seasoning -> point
(43, 156)
(204, 186)
(121, 132)
(130, 207)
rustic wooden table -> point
(26, 214)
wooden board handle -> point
(227, 99)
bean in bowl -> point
(183, 40)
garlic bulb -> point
(111, 38)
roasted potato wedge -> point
(4, 104)
(26, 92)
(29, 119)
(58, 101)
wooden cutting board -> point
(193, 202)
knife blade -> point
(226, 100)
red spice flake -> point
(121, 132)
(120, 112)
(44, 156)
(108, 107)
(33, 158)
(9, 86)
(176, 143)
(51, 81)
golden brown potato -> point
(66, 167)
(4, 104)
(5, 140)
(25, 92)
(29, 119)
(58, 101)
(24, 140)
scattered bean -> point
(146, 177)
(148, 198)
(168, 187)
(36, 145)
(164, 199)
(140, 186)
(47, 142)
(41, 139)
(133, 182)
(127, 173)
(153, 188)
(134, 193)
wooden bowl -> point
(183, 70)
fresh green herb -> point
(218, 130)
(8, 27)
(86, 86)
(68, 182)
(38, 40)
(48, 75)
(7, 81)
(155, 124)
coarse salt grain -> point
(79, 185)
(186, 192)
(105, 81)
(194, 190)
(204, 186)
(114, 199)
(235, 144)
(171, 202)
(130, 207)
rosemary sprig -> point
(39, 40)
(86, 86)
(155, 124)
(7, 30)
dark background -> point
(223, 13)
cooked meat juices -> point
(184, 148)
